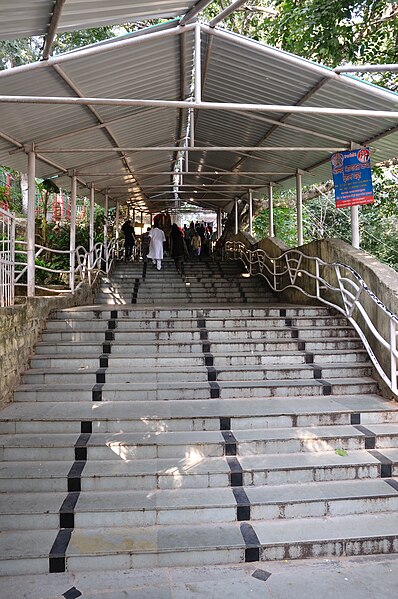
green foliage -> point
(332, 33)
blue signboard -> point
(352, 177)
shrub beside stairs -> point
(195, 420)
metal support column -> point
(251, 212)
(299, 196)
(219, 223)
(355, 226)
(31, 221)
(236, 217)
(72, 234)
(191, 127)
(117, 229)
(271, 210)
(91, 229)
(106, 209)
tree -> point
(332, 33)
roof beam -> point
(52, 29)
(194, 149)
(200, 5)
(226, 12)
(230, 106)
(367, 68)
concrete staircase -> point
(195, 428)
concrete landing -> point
(373, 577)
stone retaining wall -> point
(20, 328)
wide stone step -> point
(184, 415)
(156, 444)
(90, 325)
(193, 334)
(35, 511)
(124, 373)
(90, 350)
(194, 471)
(152, 391)
(123, 548)
(99, 312)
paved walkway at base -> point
(373, 577)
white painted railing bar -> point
(88, 265)
(351, 295)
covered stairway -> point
(156, 430)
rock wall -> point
(20, 329)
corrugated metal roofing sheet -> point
(149, 67)
(19, 18)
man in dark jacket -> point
(129, 239)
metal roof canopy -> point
(247, 115)
(19, 18)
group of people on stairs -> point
(154, 240)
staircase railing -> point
(87, 266)
(336, 285)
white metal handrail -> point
(336, 285)
(7, 245)
(87, 265)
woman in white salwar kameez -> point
(156, 246)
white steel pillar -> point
(72, 233)
(117, 228)
(271, 210)
(355, 226)
(219, 223)
(191, 127)
(299, 204)
(91, 229)
(106, 209)
(251, 212)
(236, 217)
(31, 221)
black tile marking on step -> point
(252, 542)
(144, 269)
(386, 464)
(261, 575)
(225, 423)
(236, 471)
(97, 392)
(58, 550)
(326, 387)
(72, 593)
(370, 438)
(230, 447)
(242, 504)
(282, 312)
(393, 483)
(67, 509)
(100, 375)
(209, 358)
(135, 291)
(355, 418)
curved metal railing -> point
(336, 285)
(87, 265)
